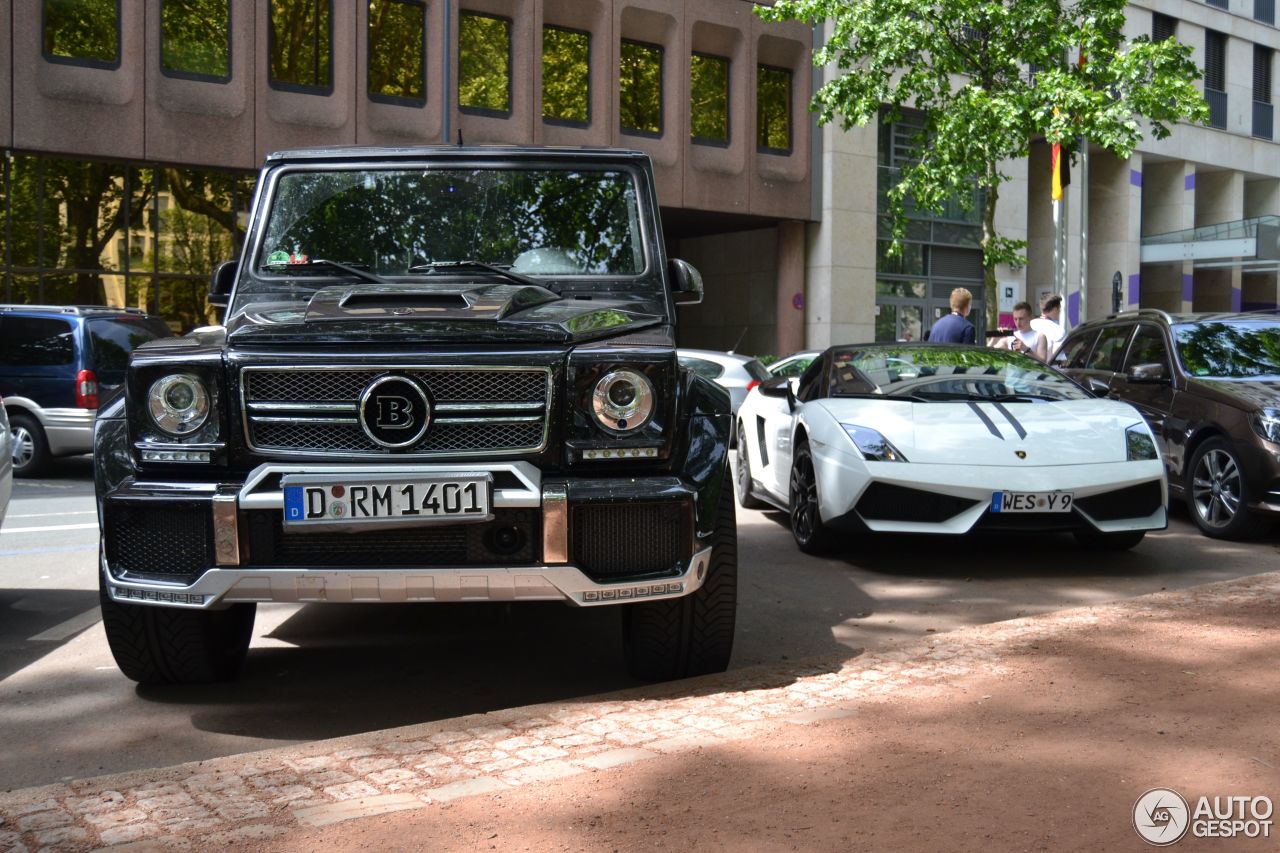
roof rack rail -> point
(74, 309)
(1143, 312)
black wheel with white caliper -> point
(811, 535)
(742, 479)
(165, 645)
(1217, 494)
(693, 635)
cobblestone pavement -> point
(253, 797)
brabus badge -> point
(394, 411)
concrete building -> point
(132, 129)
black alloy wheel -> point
(811, 535)
(742, 479)
(1217, 494)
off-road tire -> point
(1121, 541)
(811, 535)
(742, 476)
(1216, 459)
(28, 429)
(169, 645)
(693, 635)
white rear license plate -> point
(1031, 501)
(448, 498)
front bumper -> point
(590, 541)
(956, 499)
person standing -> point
(1050, 325)
(1025, 339)
(955, 328)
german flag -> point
(1061, 163)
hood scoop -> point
(492, 302)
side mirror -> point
(782, 387)
(686, 282)
(221, 282)
(1148, 374)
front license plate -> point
(1031, 501)
(448, 498)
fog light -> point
(621, 453)
(176, 456)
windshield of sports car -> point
(374, 225)
(934, 372)
(1236, 349)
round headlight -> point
(622, 401)
(178, 403)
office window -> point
(1215, 77)
(1163, 27)
(300, 45)
(566, 76)
(195, 38)
(709, 99)
(82, 32)
(397, 51)
(484, 63)
(773, 109)
(640, 88)
(1262, 61)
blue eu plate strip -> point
(294, 503)
(997, 501)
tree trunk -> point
(988, 235)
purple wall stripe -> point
(1235, 299)
(1134, 290)
(1135, 177)
(1073, 308)
(1188, 289)
(1189, 182)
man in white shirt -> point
(1048, 325)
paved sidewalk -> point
(373, 788)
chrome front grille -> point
(490, 410)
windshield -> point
(936, 372)
(407, 223)
(1233, 350)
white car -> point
(937, 438)
(737, 374)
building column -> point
(1219, 198)
(1115, 241)
(1261, 289)
(1168, 204)
(789, 309)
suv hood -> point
(1242, 393)
(476, 314)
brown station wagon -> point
(1209, 385)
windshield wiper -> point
(871, 395)
(349, 269)
(987, 398)
(447, 266)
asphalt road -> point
(320, 671)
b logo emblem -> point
(1021, 454)
(394, 411)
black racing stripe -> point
(986, 420)
(1008, 415)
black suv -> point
(1209, 385)
(446, 375)
(56, 362)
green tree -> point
(300, 42)
(566, 75)
(484, 62)
(967, 66)
(195, 37)
(396, 33)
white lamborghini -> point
(938, 438)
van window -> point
(35, 342)
(112, 339)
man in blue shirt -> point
(954, 328)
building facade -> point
(132, 129)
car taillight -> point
(86, 390)
(753, 383)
